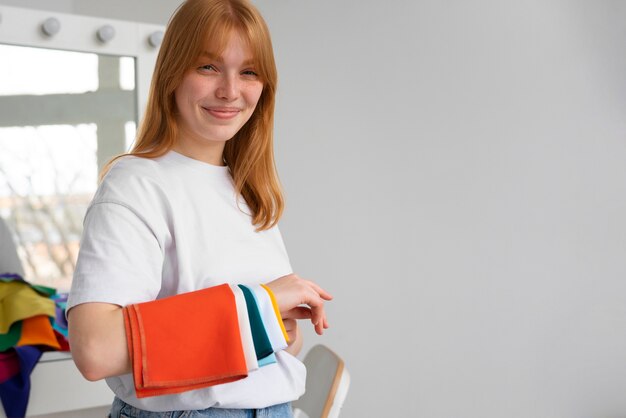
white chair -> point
(327, 384)
(9, 261)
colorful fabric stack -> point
(227, 331)
(29, 325)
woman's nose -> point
(228, 88)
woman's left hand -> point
(298, 298)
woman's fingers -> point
(299, 312)
(292, 292)
(321, 292)
(318, 314)
(303, 312)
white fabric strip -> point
(244, 328)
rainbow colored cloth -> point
(202, 338)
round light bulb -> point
(155, 39)
(106, 33)
(51, 26)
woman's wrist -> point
(295, 345)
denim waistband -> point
(121, 409)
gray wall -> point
(147, 11)
(455, 177)
(455, 173)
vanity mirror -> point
(71, 92)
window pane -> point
(48, 175)
(63, 115)
(38, 71)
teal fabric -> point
(262, 344)
(272, 357)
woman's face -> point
(215, 99)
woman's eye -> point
(208, 67)
(250, 73)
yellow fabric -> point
(276, 311)
(19, 301)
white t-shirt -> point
(169, 225)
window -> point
(63, 115)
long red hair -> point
(250, 153)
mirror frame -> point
(19, 26)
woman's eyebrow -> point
(213, 57)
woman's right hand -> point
(298, 298)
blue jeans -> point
(121, 409)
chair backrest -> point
(327, 384)
(9, 261)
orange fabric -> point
(276, 311)
(185, 342)
(37, 330)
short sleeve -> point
(120, 259)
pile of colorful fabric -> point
(32, 320)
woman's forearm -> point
(98, 340)
(97, 332)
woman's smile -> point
(222, 112)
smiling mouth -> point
(222, 113)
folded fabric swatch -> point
(276, 311)
(11, 338)
(44, 290)
(244, 328)
(60, 321)
(15, 391)
(37, 330)
(9, 365)
(62, 331)
(271, 358)
(60, 301)
(274, 331)
(184, 342)
(18, 301)
(62, 340)
(262, 344)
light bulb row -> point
(51, 26)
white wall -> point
(147, 11)
(61, 6)
(455, 176)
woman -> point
(193, 205)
